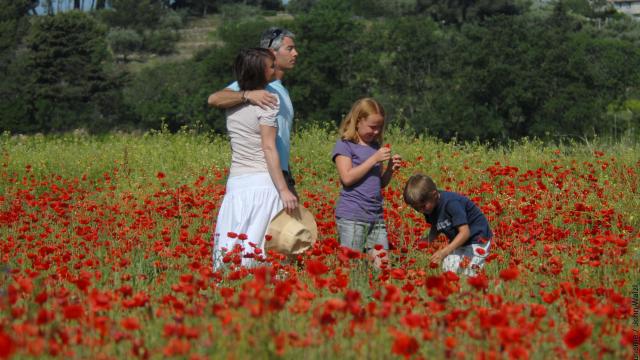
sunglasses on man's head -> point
(274, 35)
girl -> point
(358, 157)
(256, 189)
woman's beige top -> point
(243, 125)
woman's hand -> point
(289, 200)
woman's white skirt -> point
(249, 204)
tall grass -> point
(572, 186)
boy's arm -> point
(463, 235)
(227, 98)
(433, 234)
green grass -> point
(113, 184)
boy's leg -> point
(352, 234)
(452, 261)
(470, 257)
(378, 236)
(478, 254)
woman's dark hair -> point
(249, 68)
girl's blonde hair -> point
(360, 110)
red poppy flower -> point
(577, 335)
(73, 311)
(232, 235)
(479, 282)
(509, 273)
(130, 323)
(7, 346)
(316, 268)
(404, 345)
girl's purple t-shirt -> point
(361, 201)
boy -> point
(458, 218)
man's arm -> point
(227, 98)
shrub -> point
(160, 42)
(124, 41)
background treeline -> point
(488, 70)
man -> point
(281, 43)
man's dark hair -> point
(249, 68)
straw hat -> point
(292, 234)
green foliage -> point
(135, 14)
(486, 70)
(14, 25)
(124, 41)
(236, 11)
(156, 26)
(300, 6)
(462, 11)
(171, 94)
(332, 55)
(65, 73)
(384, 8)
(175, 94)
(160, 41)
(172, 20)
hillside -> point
(199, 33)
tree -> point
(14, 25)
(134, 14)
(300, 6)
(409, 52)
(66, 73)
(461, 11)
(384, 8)
(325, 81)
(124, 41)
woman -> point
(256, 189)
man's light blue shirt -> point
(284, 118)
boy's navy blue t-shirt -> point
(454, 210)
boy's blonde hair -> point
(419, 189)
(360, 110)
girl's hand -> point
(383, 154)
(395, 162)
(289, 201)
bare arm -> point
(433, 233)
(350, 175)
(459, 240)
(268, 137)
(227, 98)
(392, 165)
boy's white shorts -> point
(476, 253)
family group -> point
(261, 203)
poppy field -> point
(106, 253)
